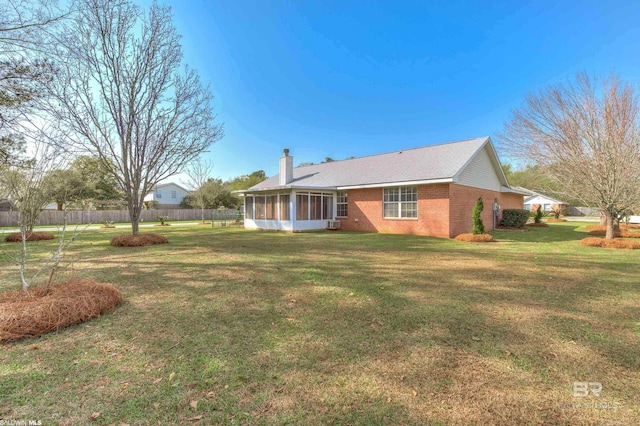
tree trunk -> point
(611, 232)
(134, 213)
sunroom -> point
(292, 210)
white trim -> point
(398, 184)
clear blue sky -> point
(351, 78)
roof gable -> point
(443, 162)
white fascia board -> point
(392, 184)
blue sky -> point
(351, 78)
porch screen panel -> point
(302, 206)
(260, 207)
(271, 206)
(248, 207)
(327, 207)
(285, 212)
(315, 207)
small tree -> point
(557, 210)
(478, 226)
(537, 216)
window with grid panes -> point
(400, 203)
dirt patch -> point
(131, 240)
(16, 237)
(40, 311)
(601, 242)
(475, 238)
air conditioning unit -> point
(333, 224)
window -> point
(285, 212)
(248, 207)
(400, 203)
(158, 193)
(547, 208)
(341, 204)
(173, 194)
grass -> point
(245, 327)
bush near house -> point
(514, 218)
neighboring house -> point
(535, 199)
(424, 191)
(6, 205)
(167, 195)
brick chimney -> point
(286, 168)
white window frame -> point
(342, 200)
(400, 195)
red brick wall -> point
(444, 210)
(463, 200)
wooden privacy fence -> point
(50, 217)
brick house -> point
(423, 191)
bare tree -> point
(198, 173)
(126, 98)
(586, 136)
(25, 183)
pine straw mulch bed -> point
(475, 238)
(537, 225)
(107, 226)
(38, 311)
(162, 224)
(554, 220)
(619, 244)
(618, 234)
(130, 240)
(16, 237)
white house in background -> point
(535, 199)
(168, 195)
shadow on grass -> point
(335, 328)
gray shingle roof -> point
(427, 163)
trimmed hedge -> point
(514, 218)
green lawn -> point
(246, 327)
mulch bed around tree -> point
(554, 220)
(162, 224)
(475, 238)
(16, 237)
(38, 311)
(537, 225)
(616, 243)
(130, 240)
(107, 227)
(619, 234)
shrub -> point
(162, 219)
(475, 238)
(46, 309)
(621, 244)
(478, 226)
(537, 216)
(514, 218)
(131, 240)
(16, 237)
